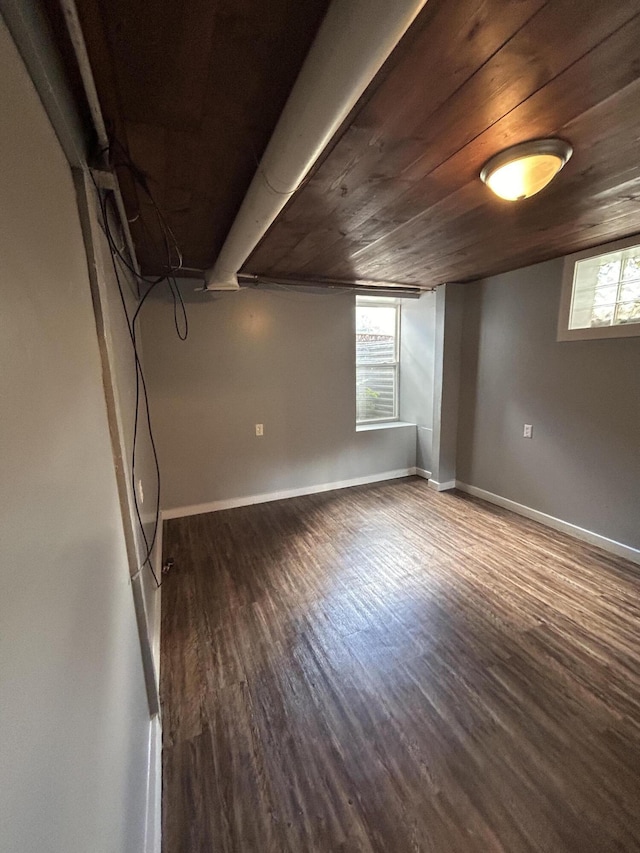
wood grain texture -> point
(193, 91)
(388, 669)
(399, 198)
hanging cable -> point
(182, 330)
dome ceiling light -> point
(523, 170)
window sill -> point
(600, 333)
(383, 425)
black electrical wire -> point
(140, 382)
(140, 378)
(116, 251)
(141, 179)
(175, 290)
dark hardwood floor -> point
(389, 669)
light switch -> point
(528, 431)
(259, 429)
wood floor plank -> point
(386, 669)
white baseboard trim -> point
(153, 825)
(232, 503)
(157, 565)
(422, 472)
(610, 545)
(157, 548)
(442, 487)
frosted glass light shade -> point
(523, 170)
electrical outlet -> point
(259, 429)
(140, 492)
(528, 431)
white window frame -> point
(625, 330)
(383, 302)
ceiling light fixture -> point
(523, 170)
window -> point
(377, 348)
(601, 293)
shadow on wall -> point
(472, 313)
(283, 358)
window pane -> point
(606, 290)
(628, 312)
(631, 270)
(375, 392)
(609, 270)
(375, 334)
(602, 315)
(605, 295)
(630, 292)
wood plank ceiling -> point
(195, 89)
(192, 90)
(399, 198)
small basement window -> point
(601, 293)
(377, 358)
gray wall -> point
(124, 374)
(446, 383)
(120, 354)
(285, 360)
(417, 361)
(74, 723)
(582, 397)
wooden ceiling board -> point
(449, 42)
(193, 91)
(100, 58)
(604, 158)
(589, 81)
(606, 154)
(398, 197)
